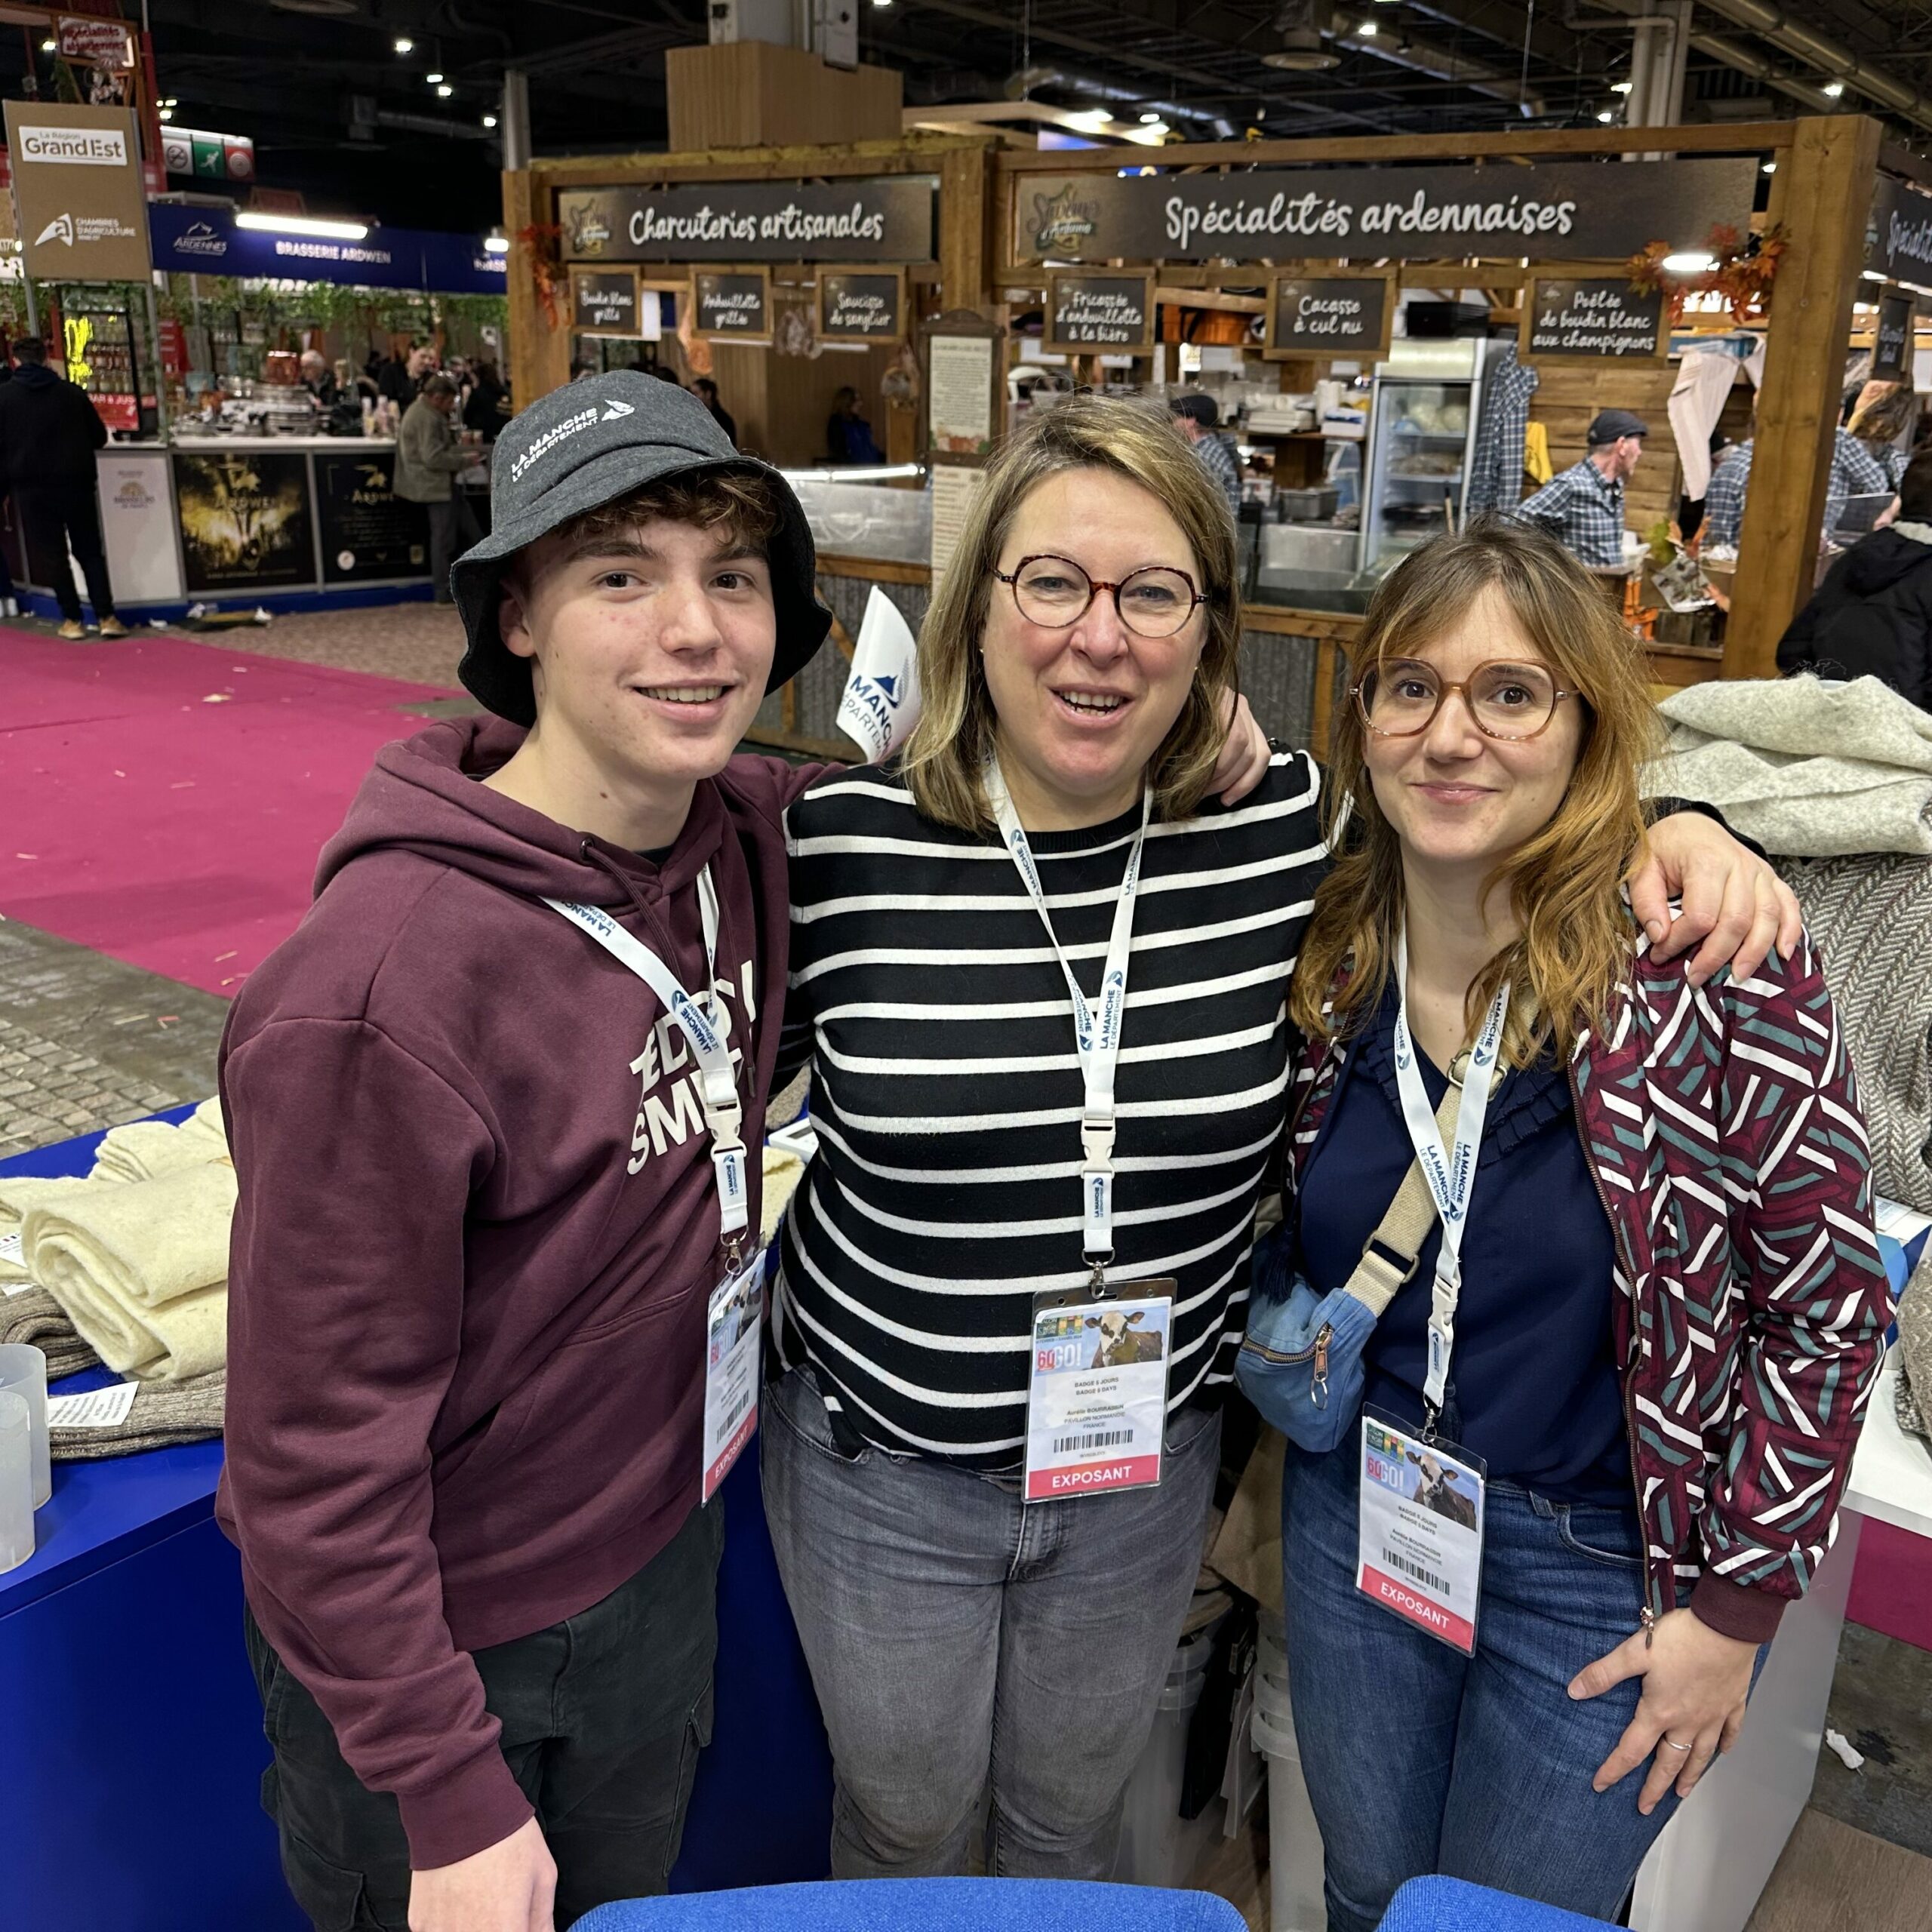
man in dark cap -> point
(1582, 506)
(496, 1110)
(1199, 419)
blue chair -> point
(1449, 1905)
(925, 1905)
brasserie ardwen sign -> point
(887, 219)
(1560, 210)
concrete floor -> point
(87, 1042)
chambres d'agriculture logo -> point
(1061, 218)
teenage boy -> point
(480, 1219)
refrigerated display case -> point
(1422, 429)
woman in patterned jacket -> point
(1667, 1311)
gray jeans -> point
(960, 1639)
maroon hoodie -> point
(476, 1232)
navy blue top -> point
(1533, 1381)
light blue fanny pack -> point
(1300, 1362)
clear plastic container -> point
(16, 1480)
(1294, 1840)
(24, 1371)
(1157, 1846)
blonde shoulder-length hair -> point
(1563, 881)
(948, 749)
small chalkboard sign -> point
(1110, 314)
(1591, 319)
(734, 305)
(861, 305)
(603, 301)
(1892, 343)
(1350, 312)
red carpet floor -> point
(163, 801)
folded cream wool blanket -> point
(146, 1149)
(142, 1269)
(1806, 768)
(17, 1193)
(161, 1415)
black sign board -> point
(245, 521)
(1892, 345)
(1105, 312)
(369, 535)
(733, 306)
(1563, 210)
(1898, 233)
(1349, 315)
(603, 301)
(855, 305)
(886, 220)
(1597, 318)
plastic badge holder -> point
(24, 1371)
(16, 1481)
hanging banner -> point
(1085, 312)
(1892, 343)
(1898, 233)
(604, 301)
(1560, 210)
(1350, 314)
(733, 307)
(77, 180)
(1591, 319)
(96, 43)
(204, 241)
(855, 305)
(888, 220)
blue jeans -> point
(1419, 1760)
(961, 1640)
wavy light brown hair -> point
(947, 751)
(1563, 881)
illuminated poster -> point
(369, 532)
(245, 521)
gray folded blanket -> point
(163, 1413)
(33, 1316)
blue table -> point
(132, 1792)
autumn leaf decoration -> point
(543, 241)
(1743, 267)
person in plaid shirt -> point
(1582, 506)
(1855, 472)
(1198, 419)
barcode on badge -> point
(1111, 1438)
(1397, 1561)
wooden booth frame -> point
(1390, 277)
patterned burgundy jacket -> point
(1727, 1145)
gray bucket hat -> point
(583, 446)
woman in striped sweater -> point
(1041, 980)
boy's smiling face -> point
(650, 645)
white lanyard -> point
(1096, 1038)
(1451, 1174)
(698, 1021)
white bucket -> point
(1294, 1842)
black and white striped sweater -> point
(946, 1092)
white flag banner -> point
(881, 701)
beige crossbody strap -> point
(1389, 1256)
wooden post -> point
(966, 205)
(1824, 188)
(539, 355)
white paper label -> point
(733, 1328)
(11, 1249)
(98, 1408)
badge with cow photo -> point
(1097, 1390)
(1420, 1551)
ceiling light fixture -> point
(489, 120)
(405, 44)
(1622, 87)
(1367, 30)
(1091, 120)
(495, 244)
(1770, 167)
(1833, 90)
(1148, 119)
(50, 47)
(300, 224)
(432, 79)
(163, 114)
(1607, 114)
(444, 92)
(1690, 261)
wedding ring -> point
(1673, 1743)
